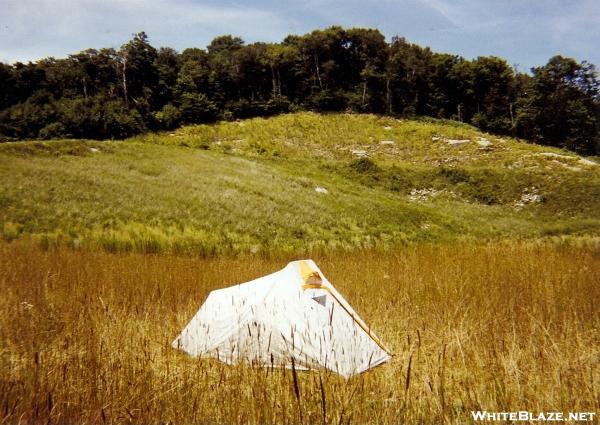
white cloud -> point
(451, 12)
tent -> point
(291, 318)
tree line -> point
(116, 93)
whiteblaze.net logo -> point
(533, 417)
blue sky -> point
(525, 32)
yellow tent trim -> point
(310, 276)
(313, 280)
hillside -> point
(294, 182)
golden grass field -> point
(85, 337)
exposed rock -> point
(573, 159)
(585, 161)
(449, 161)
(321, 190)
(485, 143)
(457, 142)
(555, 155)
(514, 165)
(359, 153)
(94, 150)
(529, 196)
(435, 138)
(387, 127)
(422, 195)
(387, 142)
(567, 166)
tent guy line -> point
(313, 280)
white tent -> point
(291, 318)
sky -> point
(524, 32)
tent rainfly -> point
(291, 318)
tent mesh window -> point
(321, 299)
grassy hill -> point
(292, 183)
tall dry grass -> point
(84, 338)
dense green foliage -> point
(110, 93)
(294, 183)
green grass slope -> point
(251, 186)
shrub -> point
(197, 108)
(326, 100)
(52, 131)
(364, 166)
(168, 117)
(25, 120)
(99, 118)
